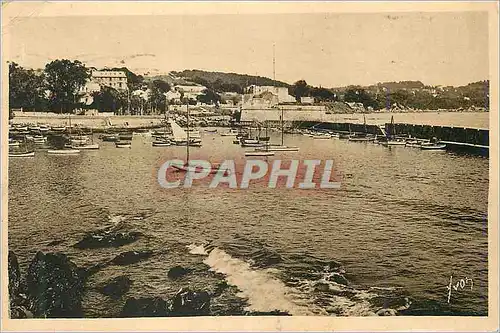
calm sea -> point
(403, 222)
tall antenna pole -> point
(274, 63)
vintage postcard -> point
(246, 166)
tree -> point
(209, 97)
(64, 78)
(108, 99)
(323, 94)
(300, 89)
(26, 88)
(359, 95)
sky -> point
(325, 49)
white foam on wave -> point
(260, 288)
(197, 249)
(116, 219)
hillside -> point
(226, 82)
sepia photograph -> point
(256, 160)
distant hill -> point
(226, 82)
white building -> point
(307, 100)
(113, 79)
(173, 96)
(262, 95)
(190, 91)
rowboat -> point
(395, 143)
(123, 144)
(26, 154)
(322, 136)
(87, 146)
(259, 153)
(277, 148)
(161, 143)
(433, 146)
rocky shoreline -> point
(53, 286)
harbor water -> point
(402, 223)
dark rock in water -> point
(219, 289)
(268, 313)
(340, 279)
(102, 239)
(14, 276)
(190, 303)
(18, 302)
(20, 312)
(55, 242)
(131, 257)
(55, 286)
(177, 272)
(144, 307)
(116, 287)
(322, 287)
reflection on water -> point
(401, 224)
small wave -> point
(263, 292)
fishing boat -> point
(21, 128)
(321, 136)
(58, 128)
(110, 137)
(123, 144)
(125, 136)
(413, 143)
(63, 151)
(22, 154)
(259, 153)
(79, 139)
(268, 147)
(393, 140)
(211, 131)
(180, 135)
(395, 143)
(250, 143)
(161, 143)
(162, 140)
(39, 140)
(276, 148)
(435, 146)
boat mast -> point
(282, 129)
(393, 130)
(187, 132)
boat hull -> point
(433, 147)
(30, 154)
(87, 147)
(63, 152)
(161, 144)
(259, 153)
